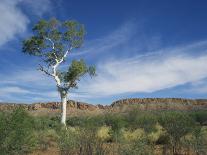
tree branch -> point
(53, 44)
(53, 47)
(65, 55)
(41, 68)
(54, 74)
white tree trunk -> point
(63, 107)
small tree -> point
(53, 41)
(177, 124)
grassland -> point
(131, 132)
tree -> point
(52, 42)
(177, 124)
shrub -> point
(130, 136)
(75, 121)
(142, 119)
(16, 133)
(68, 141)
(196, 141)
(154, 136)
(45, 123)
(94, 121)
(116, 122)
(104, 133)
(199, 116)
(177, 125)
(139, 146)
(46, 138)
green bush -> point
(94, 121)
(46, 138)
(196, 141)
(142, 119)
(177, 125)
(68, 141)
(199, 116)
(16, 133)
(45, 123)
(116, 122)
(83, 141)
(140, 146)
(147, 121)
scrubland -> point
(136, 132)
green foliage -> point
(177, 125)
(16, 133)
(104, 133)
(76, 70)
(139, 146)
(95, 121)
(52, 41)
(68, 141)
(196, 140)
(52, 38)
(145, 120)
(125, 134)
(44, 123)
(199, 116)
(46, 139)
(81, 141)
(116, 122)
(75, 121)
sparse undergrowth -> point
(133, 133)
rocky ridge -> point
(141, 103)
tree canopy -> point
(52, 42)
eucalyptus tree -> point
(52, 41)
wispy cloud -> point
(149, 73)
(13, 19)
(29, 85)
(37, 7)
(120, 36)
(14, 89)
(125, 64)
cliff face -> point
(162, 103)
(49, 105)
(140, 103)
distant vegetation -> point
(132, 133)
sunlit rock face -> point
(138, 103)
(162, 103)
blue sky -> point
(141, 48)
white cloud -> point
(128, 73)
(12, 89)
(14, 21)
(143, 73)
(20, 85)
(25, 76)
(38, 7)
(149, 73)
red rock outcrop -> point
(162, 103)
(141, 103)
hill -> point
(81, 108)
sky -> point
(141, 48)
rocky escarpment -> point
(162, 103)
(52, 105)
(140, 103)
